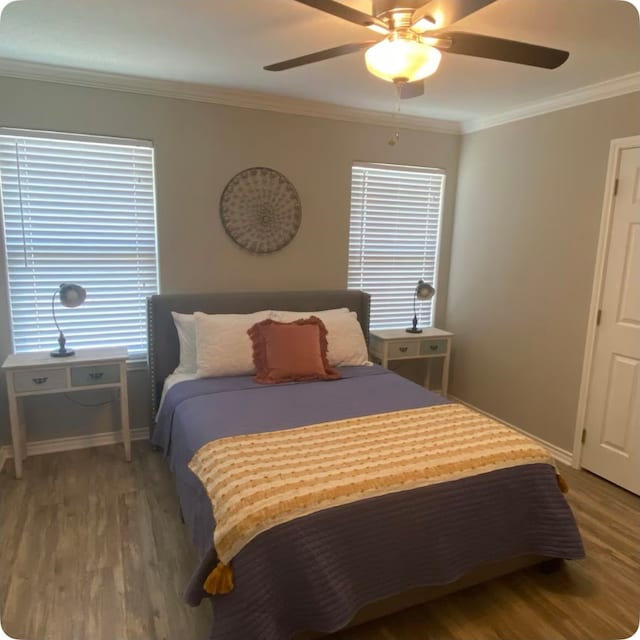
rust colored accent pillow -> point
(291, 351)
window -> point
(78, 209)
(393, 239)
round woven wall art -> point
(260, 210)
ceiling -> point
(226, 44)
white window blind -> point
(81, 210)
(393, 239)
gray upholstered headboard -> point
(163, 339)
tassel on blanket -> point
(220, 580)
(562, 483)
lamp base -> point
(62, 353)
(413, 330)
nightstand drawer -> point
(39, 380)
(401, 349)
(433, 347)
(99, 374)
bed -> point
(339, 566)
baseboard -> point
(55, 445)
(562, 455)
(114, 437)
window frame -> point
(136, 359)
(438, 243)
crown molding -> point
(592, 93)
(218, 95)
(310, 108)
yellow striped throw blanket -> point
(258, 481)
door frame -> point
(615, 152)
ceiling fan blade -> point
(443, 13)
(411, 89)
(472, 44)
(326, 54)
(347, 13)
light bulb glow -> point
(422, 25)
(402, 59)
(378, 29)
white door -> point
(612, 419)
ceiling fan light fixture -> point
(378, 29)
(423, 25)
(402, 58)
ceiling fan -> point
(415, 35)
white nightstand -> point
(32, 374)
(397, 344)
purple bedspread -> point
(315, 572)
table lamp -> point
(71, 295)
(423, 291)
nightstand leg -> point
(445, 375)
(16, 435)
(23, 427)
(124, 412)
(427, 375)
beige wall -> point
(198, 148)
(527, 218)
(529, 199)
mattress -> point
(314, 573)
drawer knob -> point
(96, 375)
(40, 380)
(433, 347)
(402, 349)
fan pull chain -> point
(395, 138)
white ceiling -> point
(226, 43)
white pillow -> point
(186, 328)
(223, 347)
(291, 316)
(346, 343)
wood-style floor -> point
(92, 548)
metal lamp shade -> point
(423, 291)
(71, 296)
